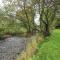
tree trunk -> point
(46, 31)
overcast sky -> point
(1, 4)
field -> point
(50, 49)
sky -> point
(1, 4)
(36, 19)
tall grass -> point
(31, 48)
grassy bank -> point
(50, 50)
(31, 48)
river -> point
(11, 47)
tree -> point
(47, 11)
(27, 16)
(26, 10)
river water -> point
(11, 47)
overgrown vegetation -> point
(31, 48)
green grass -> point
(49, 50)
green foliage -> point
(26, 16)
(25, 12)
(10, 26)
